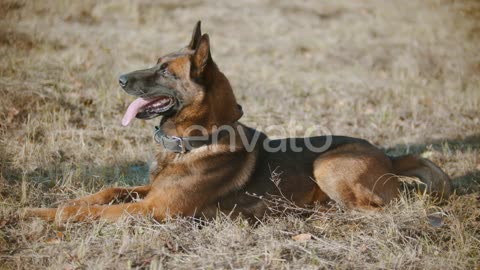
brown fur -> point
(211, 178)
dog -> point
(220, 163)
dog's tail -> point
(434, 180)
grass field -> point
(403, 74)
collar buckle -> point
(179, 141)
(171, 143)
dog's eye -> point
(164, 66)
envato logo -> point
(294, 138)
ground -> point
(403, 74)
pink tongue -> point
(133, 109)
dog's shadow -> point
(55, 184)
(465, 183)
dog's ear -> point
(202, 57)
(196, 35)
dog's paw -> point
(26, 213)
(43, 213)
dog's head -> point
(185, 86)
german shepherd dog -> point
(217, 167)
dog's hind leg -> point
(358, 176)
(110, 194)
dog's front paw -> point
(43, 213)
(26, 213)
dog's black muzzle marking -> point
(145, 84)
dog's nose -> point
(123, 80)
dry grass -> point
(403, 74)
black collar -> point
(185, 144)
